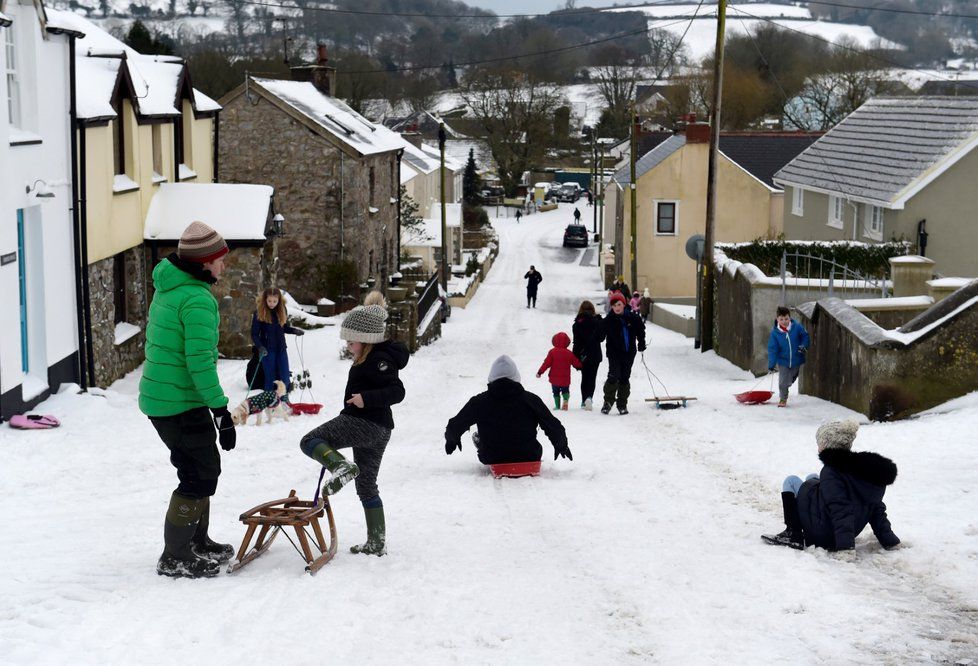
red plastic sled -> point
(300, 408)
(753, 397)
(515, 470)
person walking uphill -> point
(624, 332)
(533, 280)
(786, 349)
(507, 417)
(560, 360)
(181, 394)
(830, 509)
(268, 330)
(366, 421)
(587, 348)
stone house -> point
(671, 201)
(38, 278)
(895, 168)
(334, 172)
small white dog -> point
(269, 402)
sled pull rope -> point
(302, 362)
(315, 497)
(649, 375)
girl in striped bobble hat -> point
(366, 422)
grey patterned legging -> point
(368, 440)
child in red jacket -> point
(559, 360)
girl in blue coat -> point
(268, 329)
(786, 349)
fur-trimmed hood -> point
(871, 467)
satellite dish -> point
(694, 247)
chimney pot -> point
(322, 54)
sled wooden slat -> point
(670, 401)
(281, 514)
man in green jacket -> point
(181, 394)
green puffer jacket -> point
(180, 372)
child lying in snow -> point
(830, 509)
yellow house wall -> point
(198, 145)
(744, 212)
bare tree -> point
(515, 114)
(666, 51)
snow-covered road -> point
(644, 549)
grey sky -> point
(534, 6)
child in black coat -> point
(831, 508)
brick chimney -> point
(698, 133)
(414, 138)
(320, 75)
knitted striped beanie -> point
(200, 244)
(365, 323)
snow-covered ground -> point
(644, 549)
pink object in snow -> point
(34, 422)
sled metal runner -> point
(670, 401)
(270, 518)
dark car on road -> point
(575, 235)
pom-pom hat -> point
(365, 323)
(836, 435)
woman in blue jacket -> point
(268, 329)
(786, 349)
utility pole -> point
(594, 182)
(706, 306)
(444, 219)
(633, 187)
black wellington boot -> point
(610, 390)
(202, 545)
(792, 536)
(178, 559)
(624, 390)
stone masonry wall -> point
(114, 361)
(323, 194)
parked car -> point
(569, 192)
(575, 235)
(553, 191)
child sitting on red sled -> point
(507, 417)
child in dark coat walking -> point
(366, 422)
(268, 329)
(830, 509)
(507, 417)
(624, 332)
(559, 360)
(786, 348)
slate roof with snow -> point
(5, 20)
(236, 211)
(887, 148)
(651, 159)
(333, 115)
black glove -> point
(770, 370)
(641, 347)
(803, 350)
(262, 352)
(563, 452)
(450, 446)
(298, 331)
(225, 428)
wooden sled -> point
(670, 401)
(292, 512)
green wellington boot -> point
(202, 545)
(556, 402)
(178, 559)
(376, 533)
(341, 470)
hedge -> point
(869, 260)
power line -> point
(893, 10)
(534, 54)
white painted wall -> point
(44, 88)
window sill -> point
(125, 331)
(835, 224)
(19, 137)
(798, 213)
(157, 178)
(123, 183)
(185, 173)
(666, 234)
(873, 236)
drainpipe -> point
(397, 242)
(86, 289)
(855, 219)
(75, 216)
(342, 233)
(217, 141)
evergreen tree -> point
(412, 225)
(471, 183)
(140, 39)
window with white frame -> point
(157, 152)
(666, 218)
(874, 222)
(13, 80)
(836, 208)
(797, 201)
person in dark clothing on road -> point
(506, 417)
(577, 215)
(830, 509)
(533, 280)
(587, 348)
(624, 333)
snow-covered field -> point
(644, 549)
